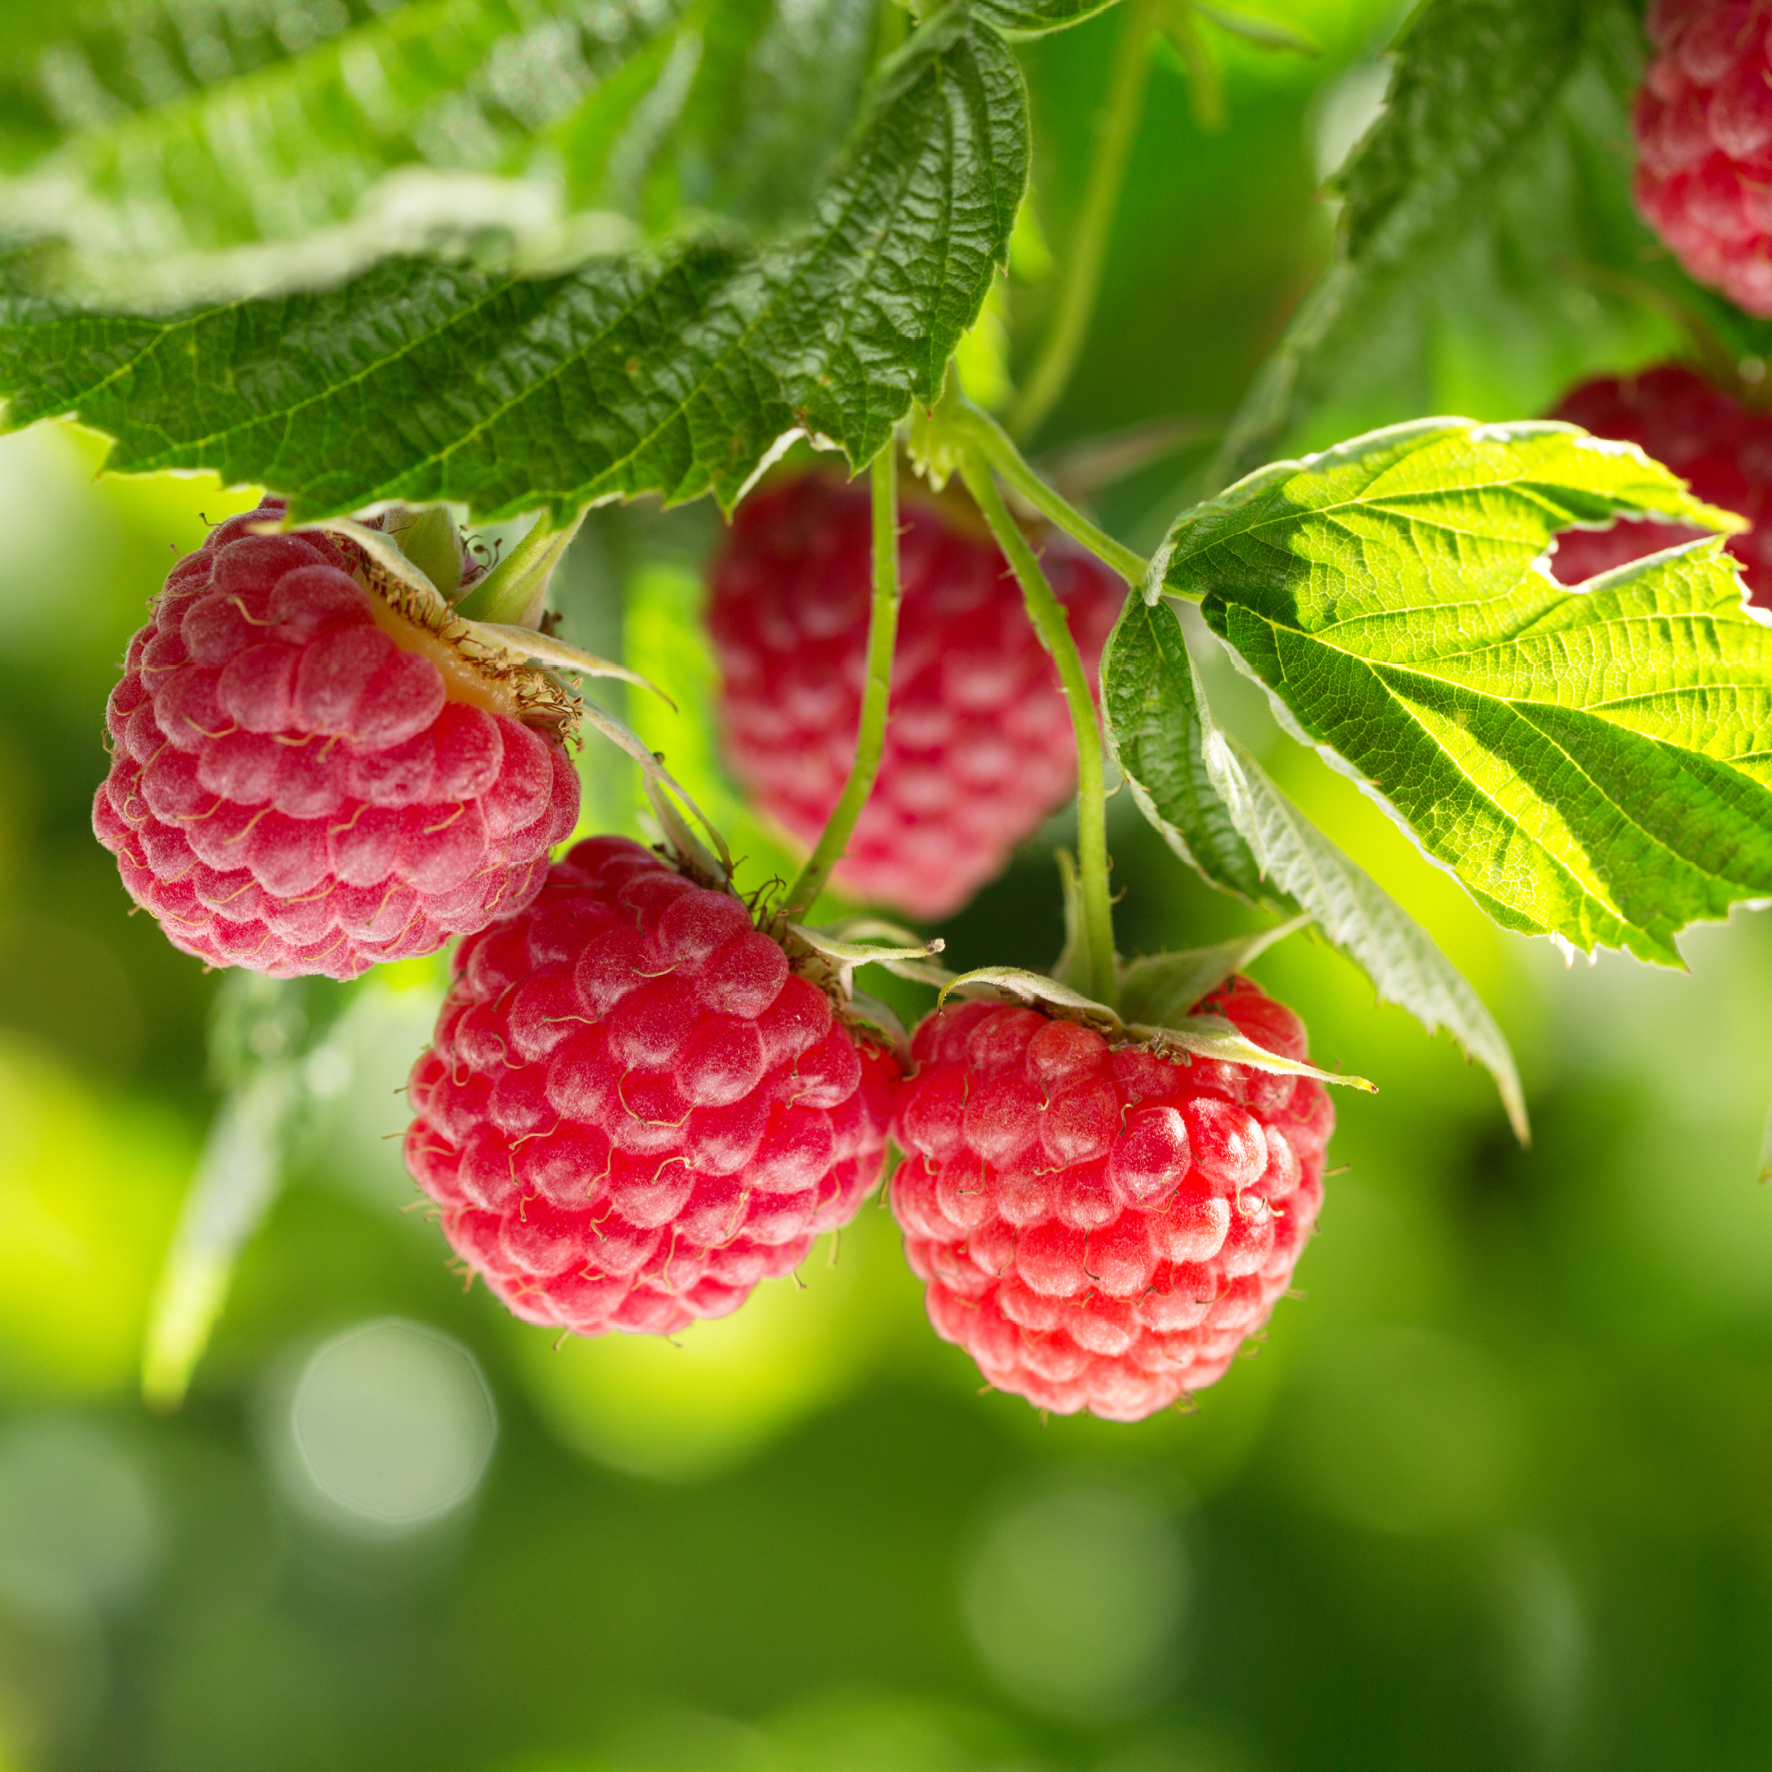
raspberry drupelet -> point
(1103, 1227)
(1703, 126)
(979, 745)
(1707, 436)
(304, 779)
(634, 1108)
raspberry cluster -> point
(979, 746)
(634, 1110)
(1102, 1228)
(1723, 448)
(1703, 126)
(303, 780)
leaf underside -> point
(674, 374)
(1221, 814)
(1591, 763)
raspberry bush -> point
(343, 738)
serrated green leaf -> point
(1155, 715)
(1474, 81)
(1356, 915)
(225, 145)
(421, 382)
(1590, 763)
(1197, 787)
(1535, 275)
(182, 128)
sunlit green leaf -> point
(1590, 763)
(1219, 811)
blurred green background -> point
(1493, 1493)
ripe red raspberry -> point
(1703, 123)
(634, 1109)
(1705, 435)
(979, 747)
(1102, 1228)
(305, 780)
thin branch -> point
(870, 738)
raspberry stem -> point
(1118, 124)
(1048, 617)
(870, 737)
(999, 449)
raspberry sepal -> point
(1187, 1036)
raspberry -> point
(304, 779)
(1703, 124)
(979, 747)
(1102, 1228)
(634, 1109)
(1724, 449)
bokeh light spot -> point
(79, 1529)
(1075, 1600)
(393, 1425)
(708, 1399)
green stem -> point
(1082, 271)
(999, 449)
(870, 738)
(1048, 617)
(515, 590)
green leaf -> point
(1163, 988)
(1155, 713)
(1264, 33)
(1356, 914)
(172, 138)
(778, 90)
(1474, 81)
(675, 375)
(1218, 811)
(1591, 763)
(254, 144)
(263, 1033)
(1031, 18)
